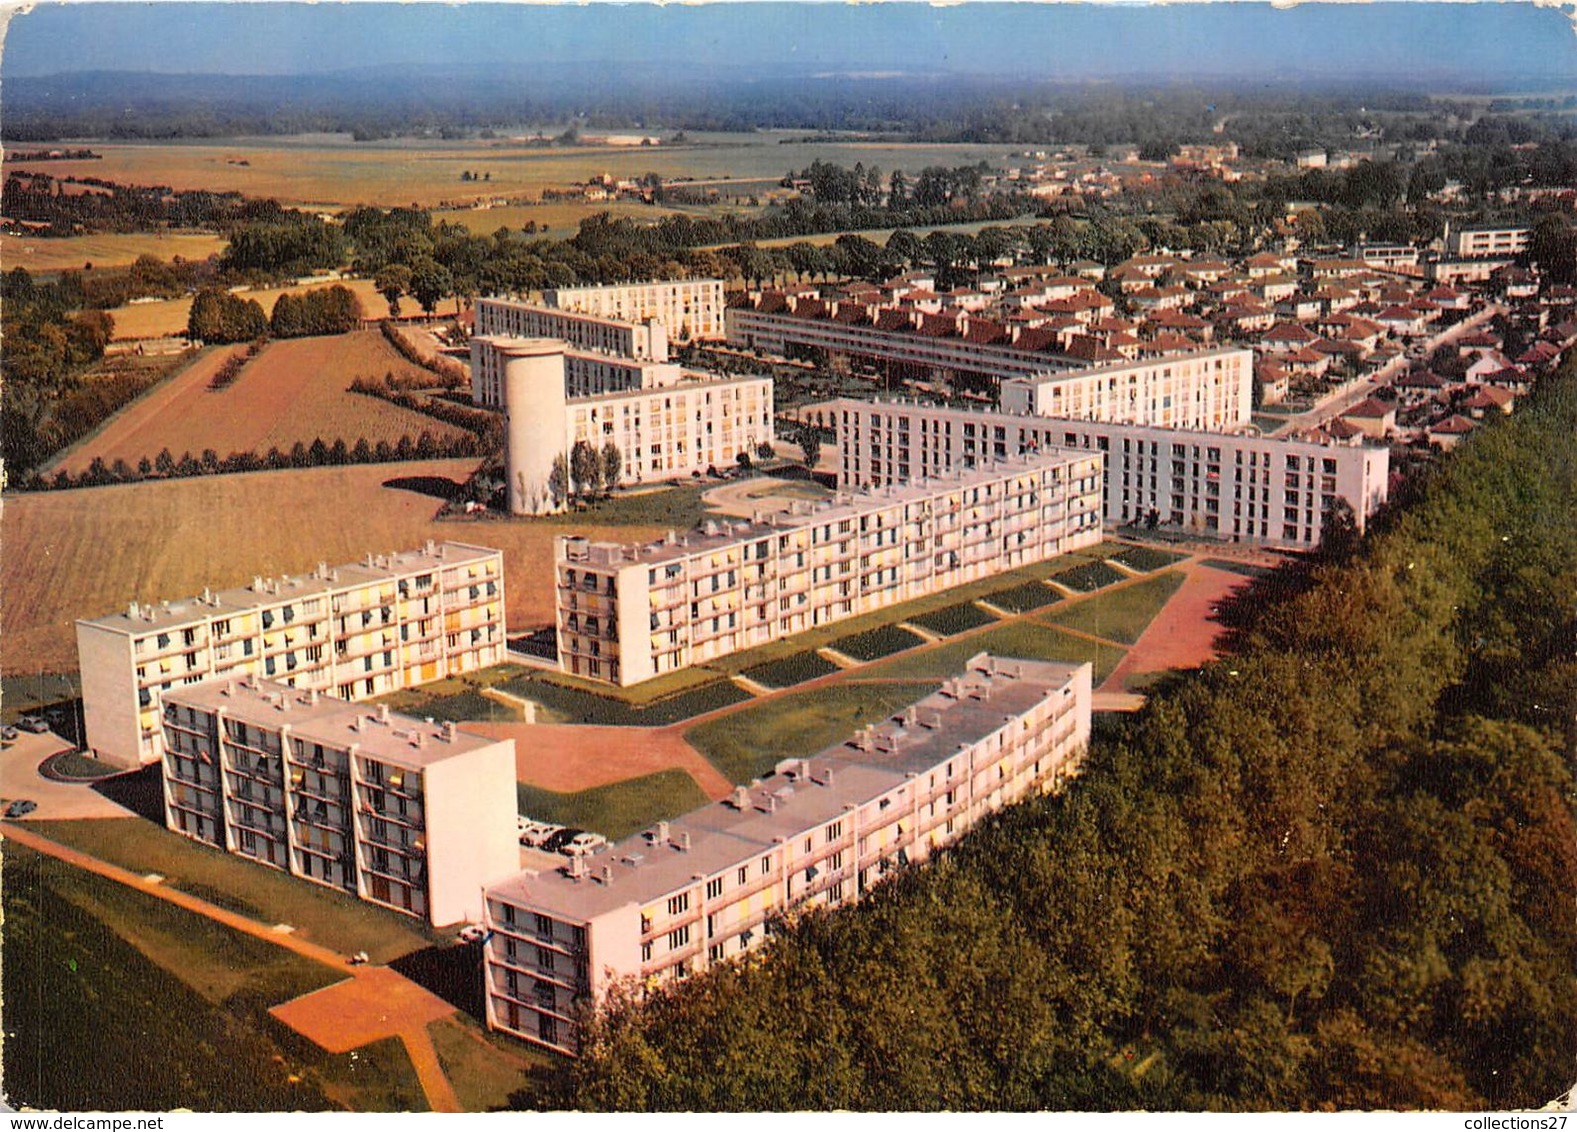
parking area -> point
(57, 801)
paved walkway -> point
(567, 758)
(1183, 634)
(19, 778)
(403, 1008)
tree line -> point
(1333, 870)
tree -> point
(430, 282)
(612, 466)
(559, 479)
(585, 469)
(809, 441)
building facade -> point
(628, 613)
(670, 431)
(354, 631)
(399, 812)
(1502, 240)
(1209, 390)
(713, 884)
(689, 309)
(586, 374)
(1244, 488)
(514, 318)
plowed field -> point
(86, 553)
(296, 390)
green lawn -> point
(748, 743)
(873, 644)
(677, 507)
(1122, 614)
(953, 619)
(21, 693)
(1089, 577)
(1146, 558)
(1022, 599)
(1024, 639)
(333, 919)
(619, 809)
(484, 1069)
(116, 1000)
(566, 704)
(791, 670)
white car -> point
(584, 843)
(472, 933)
(534, 833)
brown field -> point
(336, 172)
(294, 390)
(167, 317)
(86, 553)
(109, 250)
(558, 219)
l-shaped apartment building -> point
(710, 886)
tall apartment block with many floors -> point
(354, 631)
(586, 374)
(822, 831)
(1209, 390)
(397, 811)
(1260, 489)
(671, 431)
(628, 613)
(514, 318)
(689, 309)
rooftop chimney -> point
(607, 874)
(383, 713)
(451, 732)
(662, 833)
(684, 841)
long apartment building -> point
(711, 885)
(1209, 390)
(353, 631)
(1245, 488)
(1487, 240)
(628, 613)
(662, 433)
(586, 374)
(688, 309)
(400, 812)
(515, 318)
(1205, 389)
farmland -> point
(294, 390)
(110, 249)
(167, 317)
(85, 553)
(333, 171)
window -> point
(715, 953)
(714, 888)
(544, 925)
(545, 958)
(678, 904)
(834, 831)
(766, 866)
(678, 937)
(744, 874)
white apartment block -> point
(1256, 489)
(586, 374)
(712, 885)
(628, 613)
(1487, 240)
(1210, 390)
(354, 631)
(404, 813)
(514, 318)
(689, 309)
(666, 432)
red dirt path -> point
(1183, 634)
(566, 758)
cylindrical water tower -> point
(532, 373)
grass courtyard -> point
(616, 810)
(1121, 614)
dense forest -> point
(1335, 870)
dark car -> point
(560, 839)
(20, 808)
(33, 723)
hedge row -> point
(453, 373)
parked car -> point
(472, 933)
(583, 843)
(34, 723)
(20, 808)
(8, 732)
(534, 833)
(555, 842)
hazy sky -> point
(1499, 41)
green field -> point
(1024, 639)
(333, 919)
(1089, 577)
(1023, 599)
(616, 810)
(116, 1000)
(1146, 558)
(748, 743)
(791, 670)
(566, 704)
(1122, 614)
(483, 1069)
(953, 619)
(873, 644)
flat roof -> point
(140, 618)
(720, 532)
(1111, 367)
(389, 737)
(800, 796)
